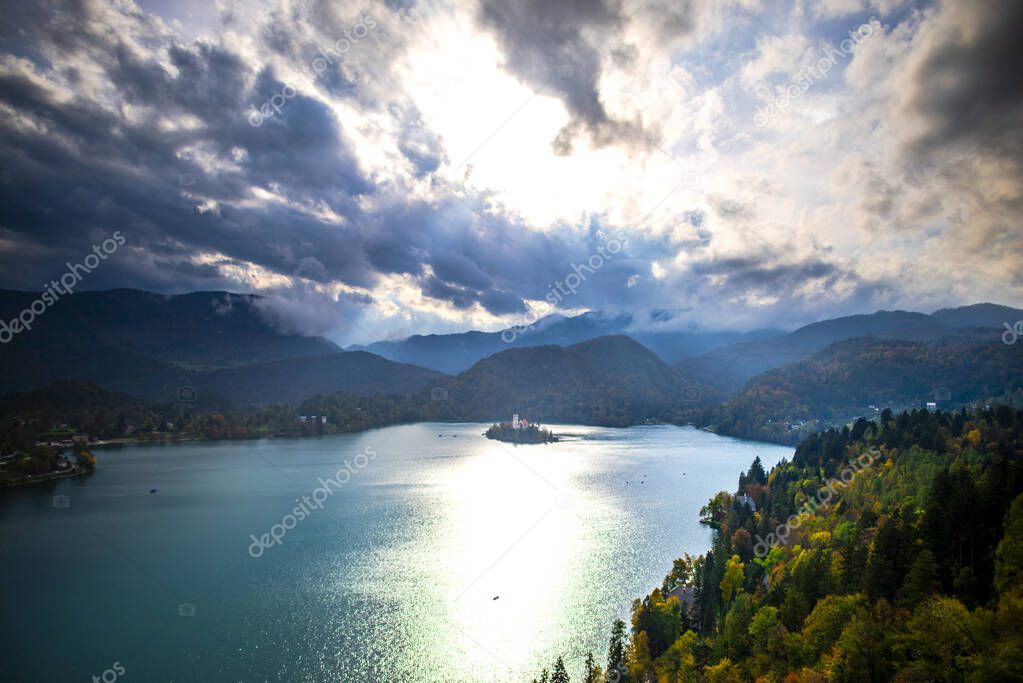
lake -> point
(434, 554)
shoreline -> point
(194, 438)
(75, 471)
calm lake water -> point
(446, 557)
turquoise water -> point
(390, 576)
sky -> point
(382, 169)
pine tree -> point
(591, 669)
(616, 672)
(756, 472)
(921, 580)
(559, 675)
(1009, 554)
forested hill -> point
(608, 381)
(201, 330)
(613, 381)
(216, 343)
(729, 368)
(891, 550)
(848, 379)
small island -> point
(520, 431)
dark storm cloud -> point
(84, 169)
(558, 44)
(301, 148)
(755, 290)
(473, 261)
(501, 303)
(963, 94)
(113, 178)
(459, 297)
(970, 88)
(454, 266)
(745, 274)
(465, 257)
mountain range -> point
(729, 368)
(210, 345)
(223, 349)
(453, 353)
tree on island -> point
(505, 431)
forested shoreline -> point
(911, 571)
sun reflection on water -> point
(512, 540)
